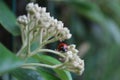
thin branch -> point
(46, 50)
(21, 50)
(41, 35)
(41, 65)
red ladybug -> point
(63, 47)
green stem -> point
(28, 44)
(21, 50)
(48, 36)
(50, 41)
(28, 37)
(41, 35)
(22, 35)
(46, 50)
(41, 65)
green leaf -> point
(62, 74)
(47, 59)
(26, 74)
(89, 10)
(8, 19)
(47, 75)
(8, 61)
(39, 74)
(93, 13)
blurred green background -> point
(95, 25)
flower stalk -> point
(42, 65)
(47, 50)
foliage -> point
(92, 21)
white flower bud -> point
(59, 25)
(81, 67)
(36, 7)
(30, 8)
(68, 36)
(75, 51)
(72, 46)
(76, 64)
(37, 15)
(69, 54)
(43, 9)
(30, 5)
(22, 20)
(66, 30)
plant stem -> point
(41, 65)
(21, 50)
(50, 41)
(22, 35)
(41, 33)
(28, 40)
(46, 50)
(28, 43)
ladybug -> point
(63, 47)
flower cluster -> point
(72, 61)
(38, 20)
(39, 26)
